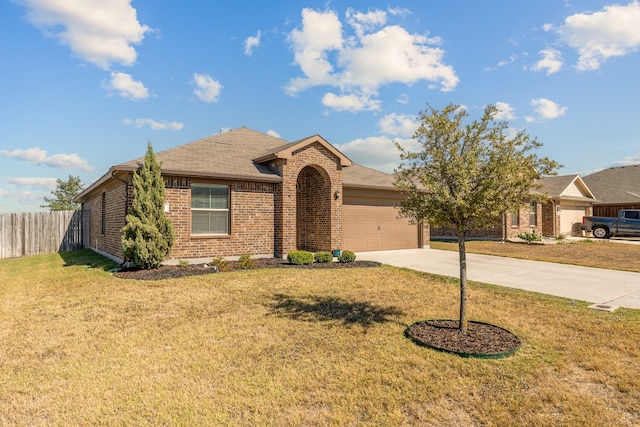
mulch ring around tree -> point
(482, 339)
(177, 271)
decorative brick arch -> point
(313, 209)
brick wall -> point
(251, 216)
(326, 165)
(110, 220)
(497, 232)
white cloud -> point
(252, 42)
(613, 31)
(378, 152)
(3, 193)
(400, 125)
(511, 60)
(40, 157)
(98, 31)
(403, 99)
(126, 86)
(632, 160)
(365, 22)
(505, 111)
(551, 61)
(207, 89)
(351, 102)
(46, 183)
(273, 133)
(164, 125)
(376, 54)
(545, 109)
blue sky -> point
(85, 85)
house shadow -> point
(87, 258)
(330, 309)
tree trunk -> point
(463, 282)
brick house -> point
(568, 199)
(245, 192)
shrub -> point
(300, 257)
(323, 257)
(183, 263)
(530, 236)
(148, 234)
(221, 264)
(245, 262)
(346, 257)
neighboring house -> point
(616, 188)
(245, 192)
(568, 200)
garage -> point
(569, 216)
(370, 223)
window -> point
(533, 214)
(515, 219)
(632, 214)
(209, 209)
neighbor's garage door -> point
(570, 216)
(372, 224)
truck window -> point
(631, 214)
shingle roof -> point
(233, 155)
(616, 185)
(225, 155)
(564, 187)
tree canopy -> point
(64, 194)
(148, 234)
(468, 174)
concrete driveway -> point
(607, 289)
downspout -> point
(126, 192)
(555, 218)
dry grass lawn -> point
(288, 347)
(589, 253)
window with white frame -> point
(515, 219)
(209, 209)
(533, 214)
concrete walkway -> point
(607, 289)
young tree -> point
(148, 234)
(64, 194)
(467, 175)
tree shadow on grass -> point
(324, 309)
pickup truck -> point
(626, 224)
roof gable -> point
(565, 187)
(286, 151)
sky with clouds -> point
(85, 85)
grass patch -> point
(587, 253)
(296, 347)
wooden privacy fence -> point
(34, 233)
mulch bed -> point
(176, 271)
(482, 339)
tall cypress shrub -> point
(148, 234)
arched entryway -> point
(313, 210)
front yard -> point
(587, 253)
(292, 347)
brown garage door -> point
(372, 224)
